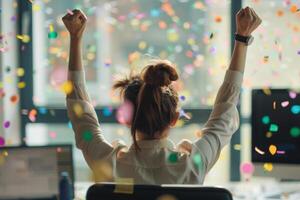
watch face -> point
(250, 40)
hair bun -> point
(160, 74)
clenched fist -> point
(75, 23)
(246, 21)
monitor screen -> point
(275, 126)
(33, 172)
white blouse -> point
(159, 161)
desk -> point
(257, 190)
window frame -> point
(200, 115)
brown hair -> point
(154, 99)
(157, 100)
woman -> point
(154, 113)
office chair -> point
(111, 191)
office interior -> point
(262, 159)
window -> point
(273, 57)
(122, 36)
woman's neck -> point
(161, 135)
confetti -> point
(107, 111)
(273, 127)
(259, 151)
(67, 87)
(274, 105)
(173, 157)
(272, 149)
(285, 104)
(52, 134)
(182, 98)
(295, 132)
(280, 152)
(77, 108)
(52, 34)
(32, 115)
(36, 7)
(267, 91)
(124, 185)
(14, 99)
(218, 19)
(295, 109)
(20, 72)
(2, 141)
(70, 12)
(125, 113)
(6, 124)
(247, 168)
(87, 136)
(21, 85)
(198, 133)
(70, 124)
(197, 159)
(268, 167)
(293, 8)
(266, 120)
(237, 147)
(172, 35)
(42, 110)
(292, 94)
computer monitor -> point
(276, 133)
(34, 172)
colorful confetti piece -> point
(2, 141)
(266, 120)
(285, 104)
(87, 136)
(247, 168)
(272, 149)
(268, 167)
(273, 128)
(173, 157)
(295, 109)
(6, 124)
(259, 151)
(124, 185)
(295, 132)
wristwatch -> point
(245, 39)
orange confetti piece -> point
(14, 99)
(272, 149)
(218, 19)
(294, 8)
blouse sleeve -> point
(222, 123)
(88, 134)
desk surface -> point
(265, 190)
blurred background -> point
(122, 36)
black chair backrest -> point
(111, 191)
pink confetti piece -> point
(70, 12)
(280, 152)
(2, 141)
(247, 168)
(285, 104)
(292, 94)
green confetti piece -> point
(52, 35)
(273, 128)
(87, 136)
(198, 160)
(173, 157)
(295, 132)
(265, 120)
